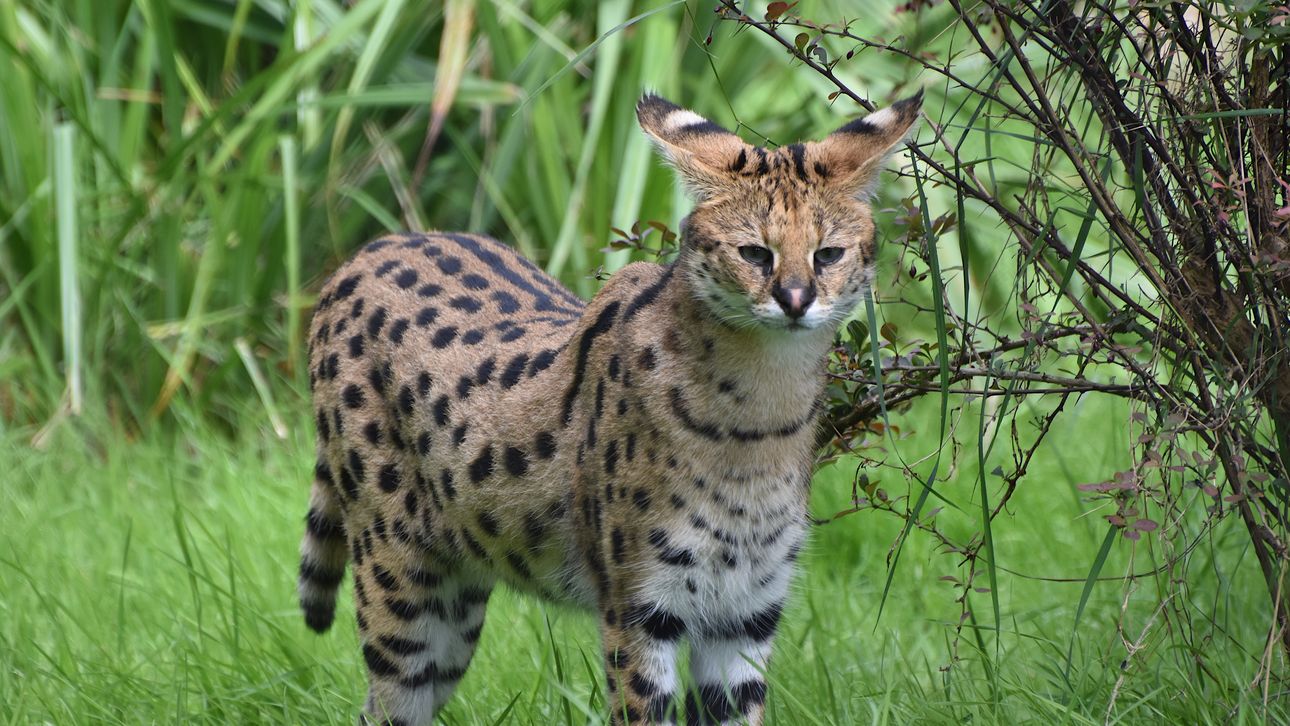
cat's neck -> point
(779, 372)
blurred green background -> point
(177, 177)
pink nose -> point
(794, 299)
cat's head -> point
(779, 238)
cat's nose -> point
(794, 299)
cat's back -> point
(438, 301)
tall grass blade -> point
(454, 44)
(1093, 573)
(68, 287)
(611, 15)
(261, 386)
(291, 207)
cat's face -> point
(783, 238)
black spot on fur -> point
(397, 331)
(474, 282)
(331, 366)
(402, 609)
(647, 296)
(402, 646)
(506, 302)
(472, 336)
(380, 377)
(739, 162)
(465, 304)
(352, 396)
(426, 316)
(384, 579)
(656, 622)
(713, 706)
(319, 526)
(322, 577)
(442, 406)
(376, 321)
(641, 499)
(514, 369)
(378, 664)
(617, 545)
(449, 265)
(545, 446)
(484, 371)
(406, 278)
(482, 467)
(798, 152)
(488, 523)
(346, 287)
(443, 337)
(517, 462)
(668, 554)
(643, 687)
(611, 457)
(390, 478)
(355, 464)
(542, 361)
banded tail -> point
(322, 552)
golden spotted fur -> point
(645, 455)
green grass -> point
(152, 581)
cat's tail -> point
(323, 551)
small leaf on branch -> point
(776, 9)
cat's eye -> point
(828, 255)
(757, 255)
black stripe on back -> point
(604, 321)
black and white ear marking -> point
(669, 122)
(857, 151)
(702, 151)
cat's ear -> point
(854, 154)
(706, 155)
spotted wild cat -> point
(645, 455)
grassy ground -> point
(152, 581)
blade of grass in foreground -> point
(1089, 581)
(65, 199)
(928, 486)
(291, 206)
(611, 14)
